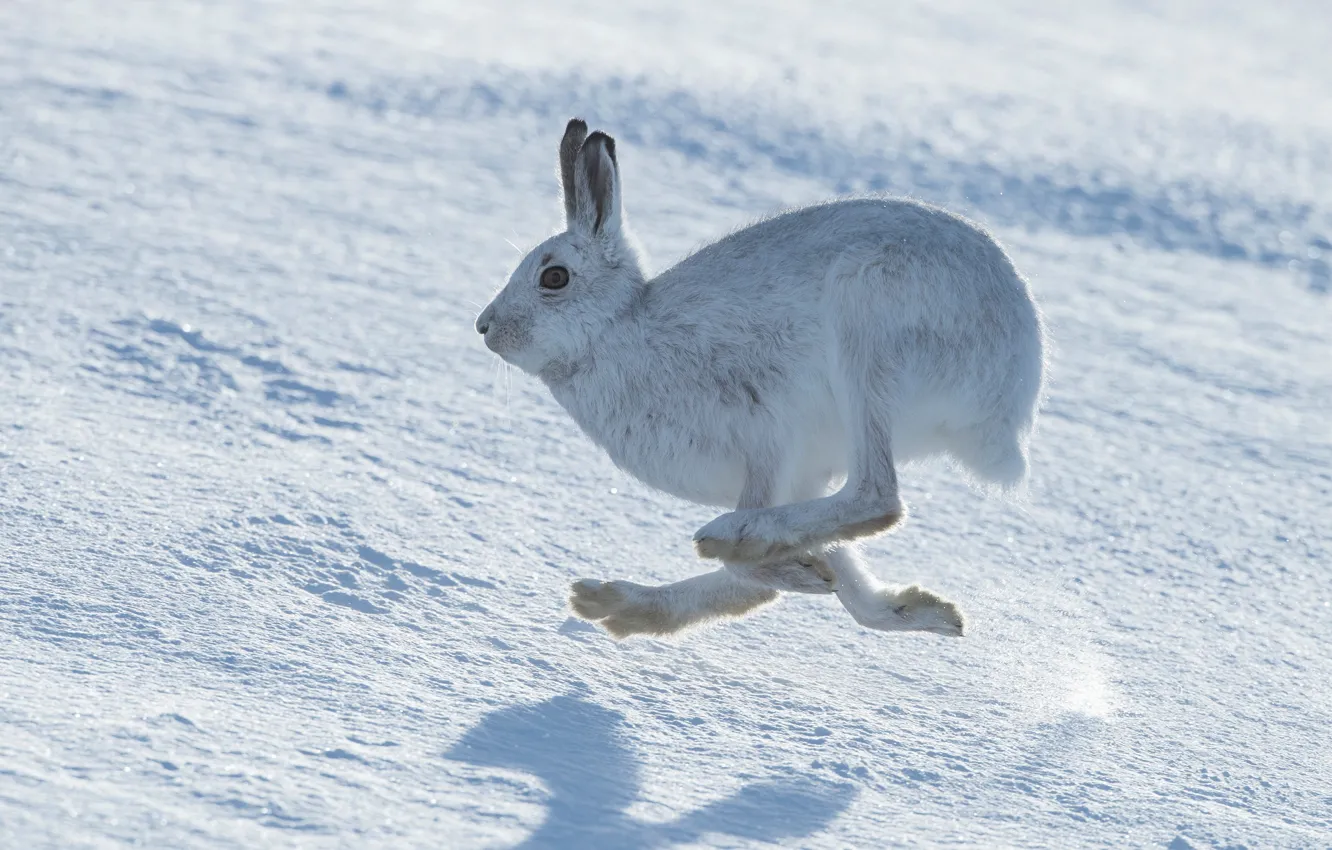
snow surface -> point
(284, 551)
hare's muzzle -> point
(483, 320)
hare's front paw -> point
(749, 536)
(620, 607)
(913, 609)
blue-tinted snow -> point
(283, 551)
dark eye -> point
(555, 277)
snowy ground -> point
(283, 551)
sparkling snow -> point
(284, 550)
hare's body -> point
(827, 344)
(772, 332)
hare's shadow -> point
(578, 749)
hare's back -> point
(791, 257)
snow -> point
(284, 551)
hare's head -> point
(571, 288)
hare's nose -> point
(483, 320)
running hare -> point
(825, 344)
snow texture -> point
(284, 550)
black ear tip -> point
(576, 124)
(601, 138)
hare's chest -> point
(670, 446)
(689, 465)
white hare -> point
(827, 343)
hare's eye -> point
(555, 277)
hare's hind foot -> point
(620, 607)
(624, 608)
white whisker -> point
(508, 389)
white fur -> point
(827, 344)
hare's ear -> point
(597, 181)
(574, 134)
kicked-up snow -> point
(284, 551)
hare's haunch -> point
(821, 347)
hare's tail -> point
(995, 453)
(995, 450)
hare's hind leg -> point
(894, 609)
(803, 574)
(624, 608)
